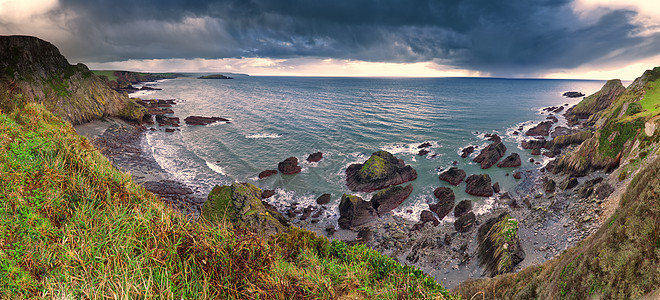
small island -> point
(214, 76)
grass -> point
(650, 104)
(110, 74)
(74, 227)
(374, 167)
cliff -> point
(33, 70)
(622, 259)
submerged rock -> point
(490, 155)
(267, 173)
(453, 175)
(289, 166)
(479, 185)
(499, 248)
(197, 120)
(513, 160)
(381, 170)
(467, 151)
(315, 157)
(241, 204)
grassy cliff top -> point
(73, 226)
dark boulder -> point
(267, 173)
(496, 187)
(479, 185)
(197, 120)
(499, 249)
(445, 203)
(604, 191)
(323, 199)
(467, 151)
(454, 176)
(517, 175)
(462, 208)
(573, 94)
(535, 151)
(490, 155)
(553, 119)
(492, 137)
(423, 152)
(465, 223)
(549, 185)
(353, 211)
(315, 157)
(513, 160)
(289, 166)
(388, 199)
(533, 144)
(542, 129)
(569, 183)
(267, 194)
(424, 145)
(381, 170)
(427, 216)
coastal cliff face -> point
(622, 259)
(33, 70)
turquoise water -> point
(347, 119)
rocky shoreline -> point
(550, 220)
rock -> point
(542, 129)
(573, 94)
(149, 88)
(597, 101)
(604, 191)
(388, 199)
(490, 155)
(496, 187)
(353, 211)
(381, 170)
(531, 159)
(479, 185)
(549, 185)
(445, 203)
(167, 187)
(467, 151)
(516, 133)
(170, 130)
(323, 199)
(197, 120)
(569, 183)
(462, 208)
(533, 144)
(289, 166)
(241, 204)
(427, 216)
(548, 154)
(267, 173)
(424, 145)
(511, 161)
(167, 121)
(517, 175)
(423, 152)
(214, 76)
(453, 175)
(465, 223)
(492, 137)
(307, 212)
(561, 130)
(553, 119)
(267, 194)
(535, 152)
(315, 157)
(499, 249)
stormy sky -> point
(512, 38)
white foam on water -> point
(419, 204)
(411, 148)
(264, 136)
(484, 206)
(216, 168)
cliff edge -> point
(33, 70)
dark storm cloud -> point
(501, 37)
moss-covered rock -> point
(381, 170)
(132, 112)
(597, 101)
(499, 247)
(241, 204)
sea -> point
(347, 119)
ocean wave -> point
(411, 148)
(216, 168)
(264, 136)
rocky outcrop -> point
(479, 185)
(573, 94)
(323, 199)
(381, 170)
(462, 208)
(315, 157)
(445, 203)
(35, 70)
(267, 173)
(241, 204)
(214, 76)
(353, 211)
(289, 166)
(465, 217)
(597, 101)
(453, 175)
(490, 155)
(467, 151)
(542, 129)
(197, 120)
(499, 249)
(511, 161)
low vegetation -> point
(74, 227)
